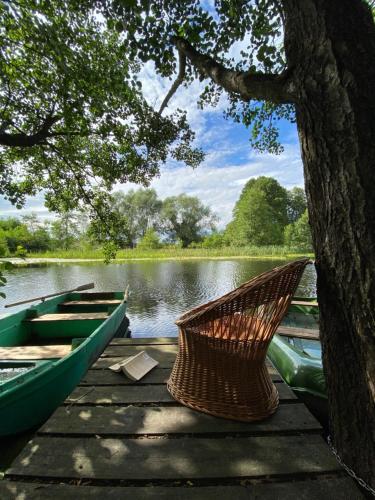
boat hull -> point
(302, 372)
(299, 360)
(32, 398)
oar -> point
(44, 297)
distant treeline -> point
(265, 214)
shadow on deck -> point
(114, 438)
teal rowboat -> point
(46, 349)
(296, 353)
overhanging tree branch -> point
(28, 140)
(177, 82)
(248, 85)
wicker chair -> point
(220, 366)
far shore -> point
(71, 256)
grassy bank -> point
(177, 253)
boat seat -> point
(35, 352)
(109, 302)
(304, 303)
(69, 317)
(301, 333)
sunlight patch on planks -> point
(35, 352)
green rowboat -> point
(46, 349)
(296, 353)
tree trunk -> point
(334, 78)
(330, 51)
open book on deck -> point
(135, 367)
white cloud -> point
(33, 204)
(155, 88)
(220, 187)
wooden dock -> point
(114, 439)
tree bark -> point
(248, 85)
(334, 78)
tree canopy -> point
(140, 211)
(146, 222)
(202, 37)
(150, 240)
(193, 39)
(296, 204)
(65, 230)
(29, 234)
(262, 212)
(185, 218)
(73, 121)
(253, 221)
(298, 233)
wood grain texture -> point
(164, 354)
(124, 351)
(127, 420)
(147, 459)
(158, 375)
(69, 317)
(144, 341)
(340, 488)
(302, 333)
(165, 360)
(35, 352)
(304, 303)
(103, 302)
(129, 394)
(108, 377)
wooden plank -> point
(144, 341)
(108, 302)
(108, 377)
(97, 296)
(156, 376)
(302, 333)
(35, 352)
(334, 488)
(165, 359)
(165, 459)
(133, 394)
(164, 354)
(130, 350)
(275, 375)
(133, 420)
(304, 303)
(112, 395)
(69, 317)
(125, 350)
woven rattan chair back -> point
(220, 365)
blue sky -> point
(229, 164)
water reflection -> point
(160, 291)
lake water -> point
(160, 291)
